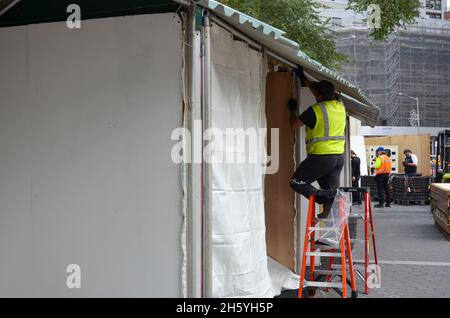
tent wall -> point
(239, 259)
(86, 175)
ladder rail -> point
(310, 251)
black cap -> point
(325, 88)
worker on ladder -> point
(383, 168)
(325, 124)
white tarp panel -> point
(238, 229)
(282, 277)
(86, 175)
(358, 145)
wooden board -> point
(440, 200)
(444, 213)
(443, 189)
(279, 197)
(442, 220)
(418, 144)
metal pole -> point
(194, 226)
(183, 2)
(417, 109)
(7, 5)
(207, 173)
(418, 116)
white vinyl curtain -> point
(239, 253)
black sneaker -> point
(388, 205)
(326, 211)
(326, 243)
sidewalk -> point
(413, 254)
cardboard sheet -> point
(418, 144)
(280, 198)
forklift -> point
(442, 171)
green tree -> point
(393, 13)
(300, 20)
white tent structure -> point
(89, 129)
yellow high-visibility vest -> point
(328, 136)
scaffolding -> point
(414, 62)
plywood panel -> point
(279, 197)
(419, 145)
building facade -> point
(408, 75)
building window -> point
(433, 4)
(434, 16)
(336, 21)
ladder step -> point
(322, 284)
(322, 229)
(325, 248)
(328, 272)
(324, 254)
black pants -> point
(325, 169)
(383, 188)
(356, 195)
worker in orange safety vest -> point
(383, 168)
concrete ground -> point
(414, 255)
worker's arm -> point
(358, 168)
(303, 78)
(296, 122)
(378, 163)
(415, 161)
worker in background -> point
(383, 168)
(410, 163)
(356, 175)
(325, 124)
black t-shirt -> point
(308, 117)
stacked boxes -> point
(409, 190)
(371, 182)
(440, 205)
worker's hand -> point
(296, 122)
(354, 179)
(300, 73)
(292, 104)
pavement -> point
(414, 255)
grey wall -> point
(85, 169)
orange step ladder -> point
(367, 216)
(310, 251)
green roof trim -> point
(33, 11)
(274, 39)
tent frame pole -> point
(207, 167)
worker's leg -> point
(331, 181)
(310, 170)
(386, 189)
(380, 188)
